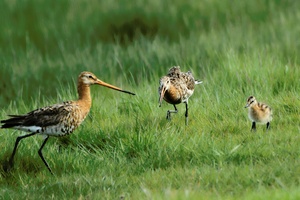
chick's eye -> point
(90, 77)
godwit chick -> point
(175, 88)
(258, 112)
(56, 120)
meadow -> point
(126, 149)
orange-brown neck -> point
(84, 96)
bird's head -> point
(251, 101)
(88, 78)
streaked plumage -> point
(258, 112)
(175, 88)
(59, 119)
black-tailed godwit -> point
(258, 113)
(56, 120)
(175, 88)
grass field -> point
(126, 148)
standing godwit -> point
(175, 88)
(56, 120)
(258, 112)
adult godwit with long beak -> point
(56, 120)
(258, 113)
(175, 88)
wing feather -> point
(42, 117)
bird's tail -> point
(15, 120)
(198, 82)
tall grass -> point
(126, 147)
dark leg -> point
(253, 128)
(11, 159)
(268, 126)
(41, 155)
(186, 113)
(171, 111)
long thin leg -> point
(186, 113)
(253, 128)
(41, 154)
(171, 111)
(268, 126)
(11, 159)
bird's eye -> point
(90, 76)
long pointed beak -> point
(247, 105)
(99, 82)
(162, 94)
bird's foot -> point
(7, 166)
(168, 115)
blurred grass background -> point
(136, 41)
(126, 147)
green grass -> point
(126, 147)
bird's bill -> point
(99, 82)
(162, 94)
(247, 105)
